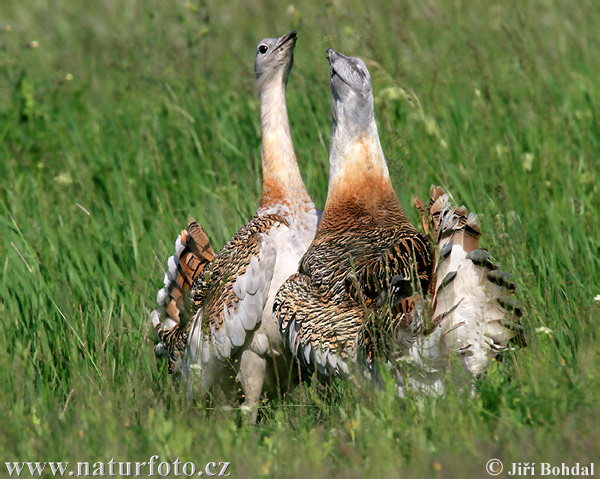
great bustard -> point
(231, 325)
(367, 258)
(370, 285)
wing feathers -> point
(320, 334)
(238, 287)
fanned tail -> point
(193, 253)
(472, 301)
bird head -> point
(351, 91)
(273, 56)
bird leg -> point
(252, 376)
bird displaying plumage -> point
(356, 283)
(228, 323)
(371, 286)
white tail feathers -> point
(473, 308)
(474, 314)
(193, 253)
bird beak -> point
(331, 54)
(286, 38)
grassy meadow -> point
(118, 119)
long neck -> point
(282, 182)
(359, 181)
(355, 153)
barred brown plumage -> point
(317, 306)
(214, 289)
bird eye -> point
(263, 49)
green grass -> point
(128, 116)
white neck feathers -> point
(282, 182)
